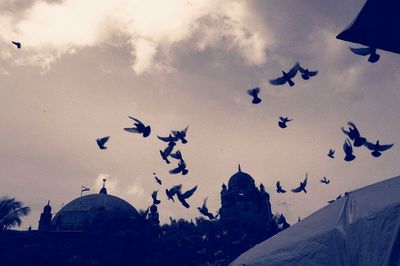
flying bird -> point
(348, 150)
(377, 148)
(279, 189)
(143, 213)
(286, 77)
(331, 153)
(354, 135)
(173, 191)
(302, 186)
(254, 92)
(17, 44)
(181, 168)
(181, 135)
(170, 139)
(154, 197)
(324, 180)
(283, 120)
(158, 180)
(177, 155)
(101, 142)
(306, 73)
(139, 128)
(204, 210)
(373, 56)
(338, 197)
(183, 196)
(166, 152)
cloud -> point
(137, 191)
(111, 183)
(149, 29)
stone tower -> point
(243, 203)
(45, 218)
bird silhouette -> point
(283, 120)
(101, 142)
(306, 73)
(183, 196)
(377, 148)
(158, 180)
(170, 139)
(173, 191)
(373, 56)
(331, 153)
(154, 197)
(17, 44)
(181, 135)
(348, 150)
(338, 197)
(204, 210)
(166, 152)
(286, 77)
(254, 92)
(139, 128)
(324, 180)
(143, 214)
(177, 155)
(279, 189)
(181, 168)
(302, 186)
(354, 135)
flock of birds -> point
(171, 141)
(352, 133)
(353, 136)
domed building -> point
(94, 212)
(242, 202)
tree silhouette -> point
(11, 212)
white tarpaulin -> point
(362, 228)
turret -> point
(45, 218)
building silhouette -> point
(93, 212)
(242, 201)
(45, 218)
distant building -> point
(243, 203)
(94, 212)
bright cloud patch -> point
(148, 28)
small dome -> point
(241, 179)
(95, 212)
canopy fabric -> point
(377, 25)
(361, 228)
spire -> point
(47, 208)
(103, 190)
(45, 218)
(239, 169)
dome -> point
(95, 212)
(241, 179)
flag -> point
(84, 189)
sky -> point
(85, 66)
